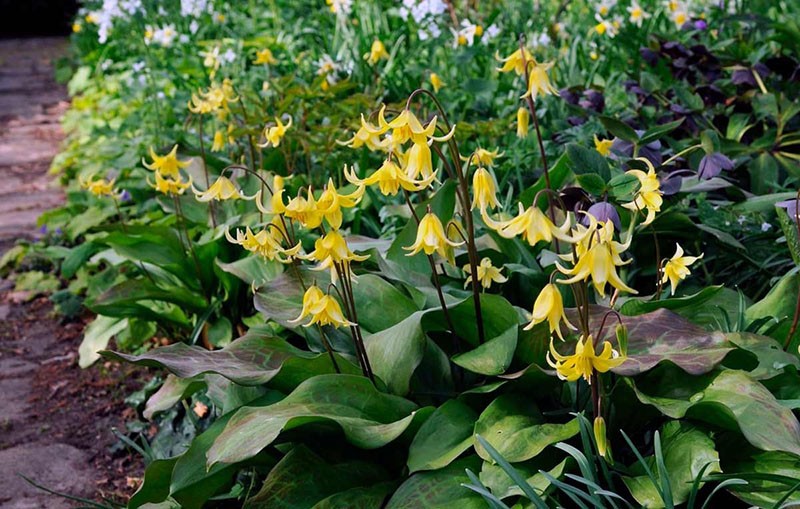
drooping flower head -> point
(677, 268)
(323, 309)
(484, 190)
(167, 165)
(431, 237)
(376, 53)
(648, 197)
(169, 185)
(222, 189)
(515, 62)
(487, 274)
(274, 134)
(585, 361)
(100, 187)
(549, 306)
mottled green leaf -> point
(760, 490)
(443, 437)
(253, 270)
(780, 304)
(496, 479)
(439, 489)
(395, 353)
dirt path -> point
(55, 422)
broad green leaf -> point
(493, 357)
(302, 479)
(635, 306)
(724, 237)
(495, 478)
(763, 173)
(96, 338)
(559, 172)
(764, 204)
(395, 353)
(591, 183)
(159, 246)
(254, 359)
(686, 451)
(514, 426)
(126, 299)
(659, 131)
(253, 270)
(758, 469)
(367, 497)
(733, 400)
(780, 303)
(584, 160)
(443, 437)
(368, 418)
(769, 354)
(623, 186)
(439, 489)
(790, 231)
(619, 129)
(173, 390)
(155, 486)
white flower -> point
(466, 35)
(741, 219)
(194, 26)
(765, 227)
(605, 6)
(490, 33)
(138, 66)
(637, 14)
(229, 56)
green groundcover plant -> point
(439, 254)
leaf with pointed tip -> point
(395, 353)
(443, 437)
(498, 481)
(173, 389)
(762, 471)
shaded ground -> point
(56, 419)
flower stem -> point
(211, 207)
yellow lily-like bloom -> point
(265, 243)
(216, 98)
(99, 187)
(390, 178)
(431, 237)
(648, 197)
(598, 258)
(275, 134)
(419, 161)
(376, 52)
(531, 224)
(222, 189)
(585, 361)
(331, 203)
(168, 165)
(304, 210)
(169, 185)
(323, 310)
(487, 274)
(523, 120)
(677, 268)
(515, 62)
(219, 141)
(331, 249)
(265, 57)
(603, 147)
(436, 81)
(484, 190)
(365, 136)
(549, 305)
(406, 126)
(539, 80)
(483, 157)
(276, 205)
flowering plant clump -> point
(416, 253)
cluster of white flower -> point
(111, 10)
(331, 69)
(426, 14)
(341, 8)
(196, 8)
(163, 36)
(465, 36)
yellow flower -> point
(331, 203)
(603, 146)
(390, 178)
(169, 185)
(648, 197)
(91, 18)
(436, 81)
(222, 189)
(211, 59)
(515, 62)
(484, 190)
(323, 309)
(99, 187)
(487, 274)
(523, 119)
(376, 52)
(304, 210)
(265, 57)
(276, 205)
(366, 135)
(531, 224)
(275, 134)
(539, 81)
(168, 165)
(431, 237)
(76, 28)
(680, 18)
(330, 250)
(483, 157)
(677, 268)
(219, 141)
(214, 99)
(406, 126)
(266, 243)
(600, 436)
(585, 361)
(549, 306)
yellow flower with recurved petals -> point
(531, 224)
(274, 134)
(99, 187)
(323, 309)
(406, 126)
(483, 157)
(677, 268)
(648, 197)
(276, 205)
(304, 210)
(365, 136)
(515, 62)
(539, 80)
(436, 81)
(330, 250)
(603, 147)
(219, 141)
(168, 165)
(222, 189)
(487, 274)
(585, 361)
(390, 179)
(431, 238)
(169, 185)
(523, 119)
(484, 190)
(265, 243)
(376, 52)
(331, 203)
(265, 57)
(549, 306)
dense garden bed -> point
(440, 254)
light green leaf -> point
(96, 338)
(443, 437)
(439, 489)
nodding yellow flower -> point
(167, 165)
(215, 99)
(549, 306)
(222, 189)
(169, 185)
(431, 238)
(484, 190)
(274, 134)
(418, 161)
(219, 141)
(531, 224)
(598, 258)
(376, 52)
(390, 178)
(304, 210)
(211, 60)
(99, 187)
(539, 80)
(323, 310)
(515, 62)
(523, 119)
(483, 157)
(677, 268)
(365, 136)
(648, 197)
(487, 274)
(331, 203)
(436, 81)
(330, 250)
(265, 243)
(265, 57)
(276, 205)
(603, 146)
(406, 126)
(585, 361)
(76, 27)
